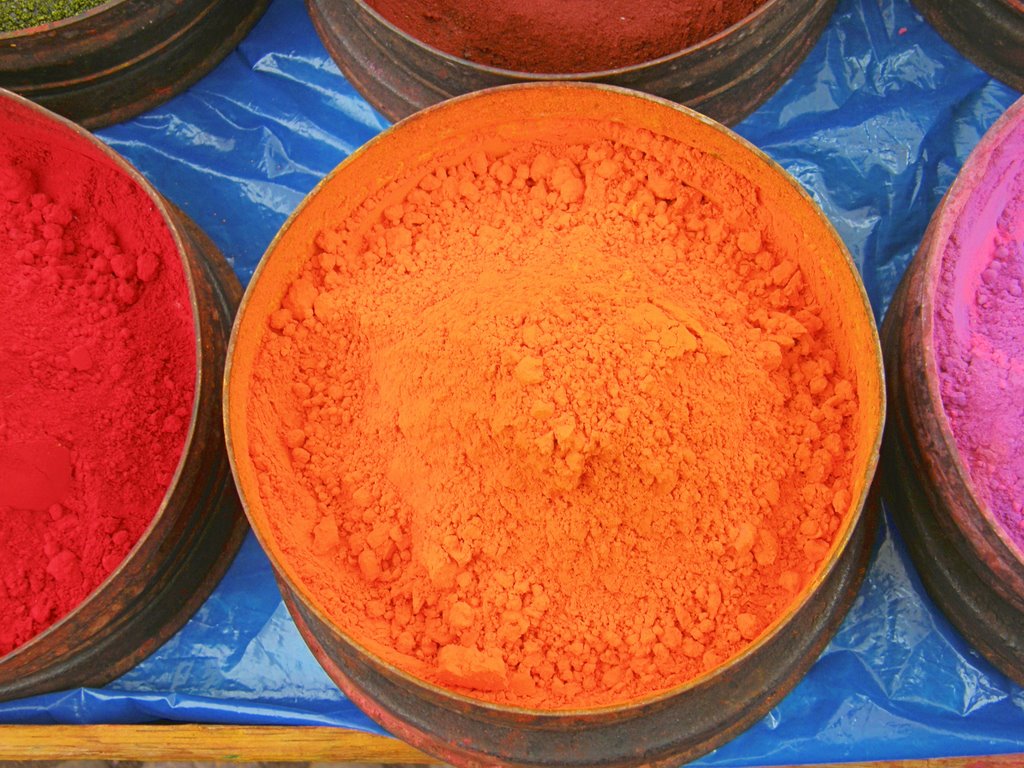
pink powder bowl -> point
(953, 459)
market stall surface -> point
(875, 125)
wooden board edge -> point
(265, 743)
(191, 742)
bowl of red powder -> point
(722, 58)
(955, 350)
(117, 514)
(104, 61)
(559, 429)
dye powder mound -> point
(979, 334)
(556, 426)
(23, 14)
(97, 371)
(564, 36)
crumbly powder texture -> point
(16, 15)
(566, 35)
(556, 426)
(97, 370)
(979, 334)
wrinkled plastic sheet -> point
(875, 124)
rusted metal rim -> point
(124, 56)
(726, 76)
(988, 32)
(198, 525)
(967, 562)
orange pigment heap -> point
(558, 427)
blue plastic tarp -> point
(875, 124)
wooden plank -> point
(202, 742)
(232, 743)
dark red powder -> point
(555, 36)
(97, 369)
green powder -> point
(22, 14)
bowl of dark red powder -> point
(117, 514)
(955, 350)
(556, 409)
(103, 61)
(720, 58)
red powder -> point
(559, 36)
(97, 369)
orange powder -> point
(555, 426)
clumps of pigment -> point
(979, 335)
(97, 371)
(555, 426)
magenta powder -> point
(979, 322)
